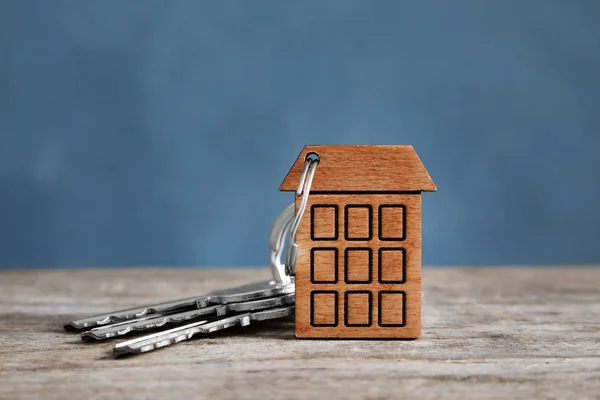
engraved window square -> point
(324, 265)
(324, 222)
(358, 265)
(324, 308)
(392, 222)
(392, 308)
(392, 265)
(357, 308)
(358, 222)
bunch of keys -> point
(358, 274)
(215, 311)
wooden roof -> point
(349, 168)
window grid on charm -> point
(358, 265)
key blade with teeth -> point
(152, 322)
(146, 323)
(186, 332)
(252, 291)
(132, 313)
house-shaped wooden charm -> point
(358, 269)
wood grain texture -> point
(487, 333)
(363, 168)
(363, 244)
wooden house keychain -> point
(353, 266)
(356, 255)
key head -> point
(262, 304)
(251, 291)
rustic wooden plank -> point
(487, 333)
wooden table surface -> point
(487, 333)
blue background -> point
(157, 132)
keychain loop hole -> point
(311, 159)
(312, 156)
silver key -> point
(186, 332)
(146, 323)
(281, 226)
(152, 322)
(131, 313)
(248, 292)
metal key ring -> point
(287, 224)
(279, 231)
(306, 177)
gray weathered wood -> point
(488, 333)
